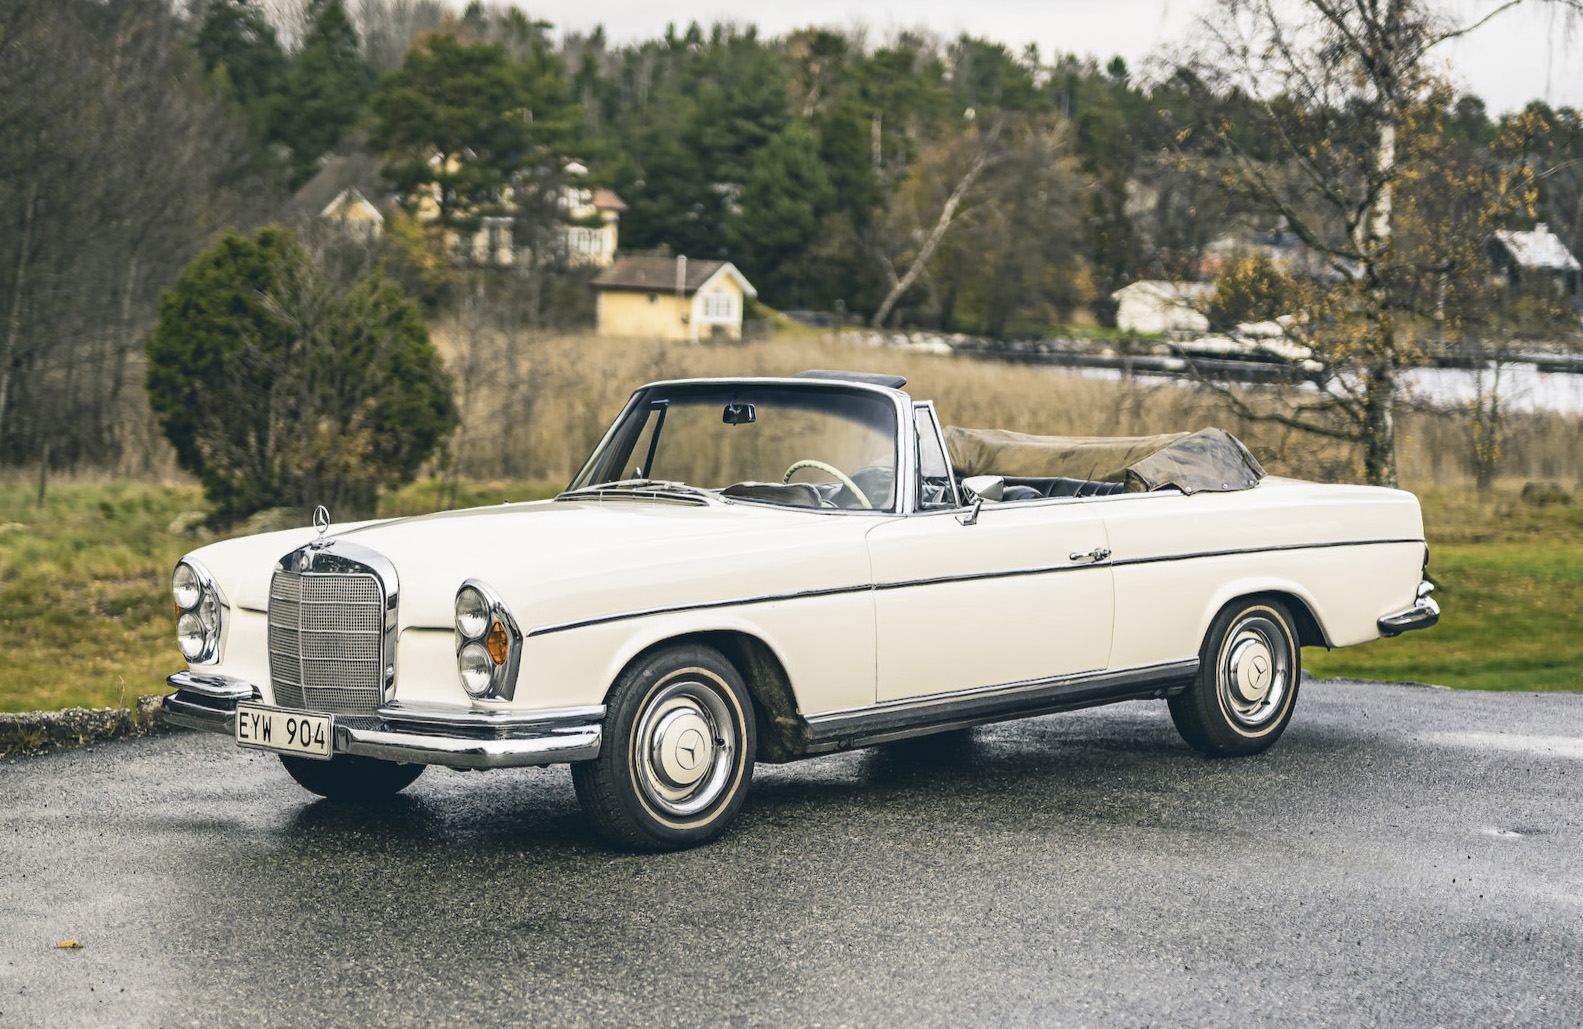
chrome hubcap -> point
(1255, 672)
(684, 748)
(1252, 670)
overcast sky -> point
(1524, 54)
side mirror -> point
(979, 488)
(984, 487)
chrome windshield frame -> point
(906, 489)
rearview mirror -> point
(738, 414)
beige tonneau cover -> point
(1209, 460)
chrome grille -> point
(326, 641)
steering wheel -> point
(798, 466)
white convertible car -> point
(767, 569)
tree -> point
(278, 389)
(116, 161)
(234, 40)
(783, 201)
(456, 122)
(1337, 89)
(1016, 262)
(935, 194)
(1248, 289)
(326, 90)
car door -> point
(1021, 594)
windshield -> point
(800, 446)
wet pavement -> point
(1405, 856)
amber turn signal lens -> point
(497, 642)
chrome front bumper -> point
(1421, 615)
(413, 735)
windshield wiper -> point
(643, 486)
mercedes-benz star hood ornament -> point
(321, 521)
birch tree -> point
(1336, 88)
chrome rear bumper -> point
(413, 735)
(1421, 615)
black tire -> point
(1248, 672)
(678, 752)
(349, 778)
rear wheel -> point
(677, 755)
(351, 778)
(1246, 687)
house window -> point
(586, 242)
(720, 307)
(497, 241)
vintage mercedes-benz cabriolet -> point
(767, 569)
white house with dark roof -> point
(1534, 260)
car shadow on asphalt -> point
(1090, 765)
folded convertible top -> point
(1209, 460)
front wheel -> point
(677, 755)
(351, 778)
(1246, 687)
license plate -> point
(285, 732)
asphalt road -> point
(1405, 856)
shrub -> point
(278, 389)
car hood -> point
(557, 561)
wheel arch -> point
(1305, 618)
(782, 733)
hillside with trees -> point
(908, 180)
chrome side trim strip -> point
(708, 605)
(896, 719)
(1278, 548)
(772, 598)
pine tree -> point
(325, 91)
(786, 195)
(234, 39)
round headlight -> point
(475, 668)
(472, 613)
(184, 586)
(190, 637)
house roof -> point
(658, 274)
(347, 198)
(1540, 249)
(606, 200)
(333, 178)
(1173, 292)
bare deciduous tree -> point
(1338, 91)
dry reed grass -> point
(535, 407)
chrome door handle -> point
(1093, 556)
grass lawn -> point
(1510, 587)
(86, 618)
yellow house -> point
(589, 238)
(351, 212)
(671, 298)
